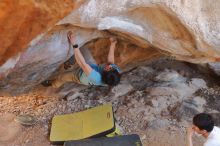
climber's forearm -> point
(111, 54)
(81, 61)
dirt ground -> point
(156, 100)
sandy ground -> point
(153, 100)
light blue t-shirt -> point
(94, 78)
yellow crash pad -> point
(98, 121)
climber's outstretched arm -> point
(79, 57)
(81, 61)
(111, 54)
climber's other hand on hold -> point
(113, 40)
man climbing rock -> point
(85, 72)
(203, 124)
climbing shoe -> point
(47, 83)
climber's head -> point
(111, 74)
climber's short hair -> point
(204, 122)
(111, 75)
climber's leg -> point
(69, 76)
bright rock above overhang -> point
(189, 30)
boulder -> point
(34, 44)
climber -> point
(85, 72)
(203, 124)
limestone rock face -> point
(22, 20)
(33, 41)
(188, 30)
